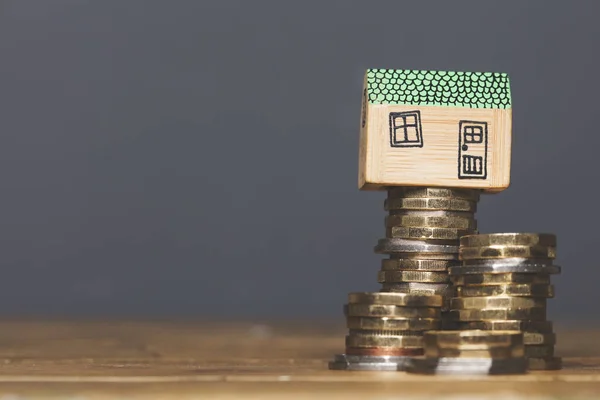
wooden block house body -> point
(435, 128)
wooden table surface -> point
(245, 360)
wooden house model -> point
(435, 128)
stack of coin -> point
(472, 352)
(423, 229)
(503, 283)
(384, 329)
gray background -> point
(199, 158)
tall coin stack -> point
(422, 237)
(503, 284)
(385, 329)
(422, 240)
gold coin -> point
(496, 302)
(445, 290)
(383, 332)
(430, 203)
(428, 219)
(478, 339)
(533, 338)
(407, 232)
(495, 352)
(539, 351)
(397, 299)
(528, 290)
(508, 325)
(391, 264)
(509, 239)
(500, 279)
(533, 314)
(393, 324)
(378, 310)
(383, 341)
(545, 363)
(420, 192)
(412, 276)
(487, 252)
(384, 351)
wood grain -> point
(436, 163)
(161, 359)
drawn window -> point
(405, 129)
(472, 134)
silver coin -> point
(434, 213)
(368, 363)
(386, 246)
(467, 366)
(417, 287)
(510, 261)
(425, 256)
(503, 269)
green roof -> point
(438, 88)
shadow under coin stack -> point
(422, 237)
(503, 284)
(474, 352)
(385, 329)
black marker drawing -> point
(364, 108)
(472, 150)
(472, 165)
(405, 129)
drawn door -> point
(472, 150)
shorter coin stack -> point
(385, 329)
(503, 284)
(471, 352)
(422, 232)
